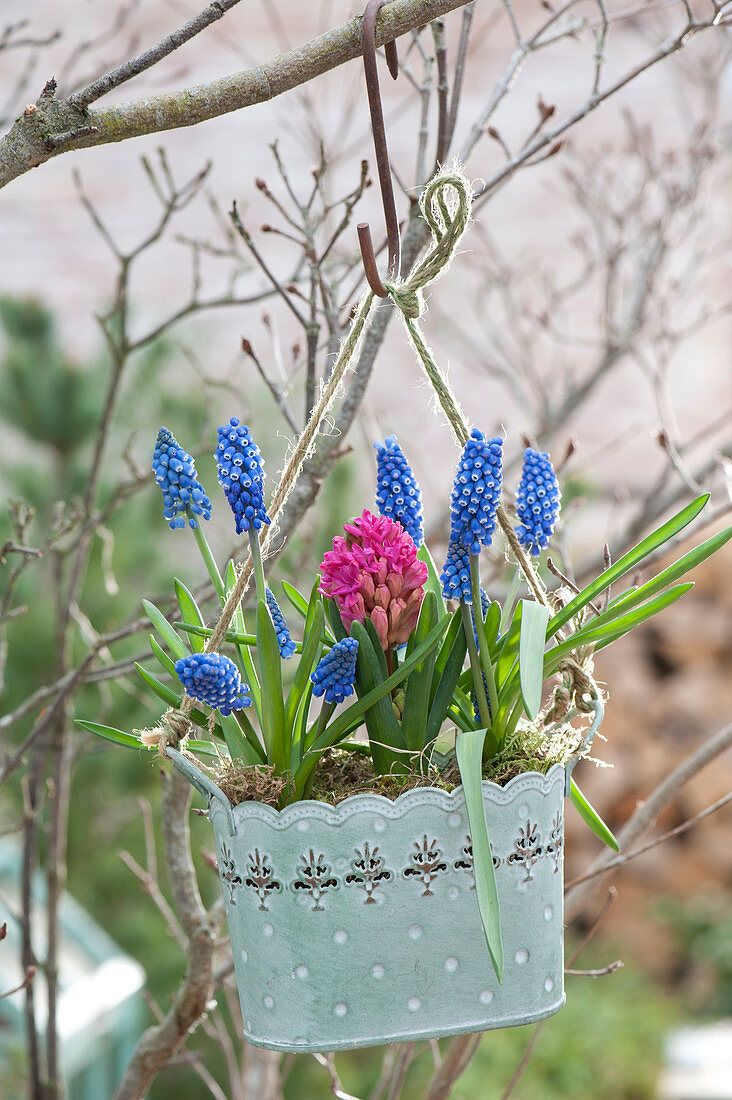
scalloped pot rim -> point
(395, 808)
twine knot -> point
(173, 727)
(445, 204)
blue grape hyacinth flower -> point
(537, 502)
(213, 679)
(476, 492)
(455, 576)
(241, 475)
(398, 495)
(175, 473)
(284, 641)
(336, 672)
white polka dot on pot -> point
(268, 1001)
(548, 912)
(485, 997)
(340, 936)
(267, 930)
(549, 985)
(451, 964)
(379, 824)
(414, 1004)
(303, 826)
(415, 932)
(301, 972)
(340, 1009)
(522, 956)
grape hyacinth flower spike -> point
(537, 501)
(476, 492)
(214, 680)
(241, 474)
(455, 576)
(335, 674)
(398, 495)
(175, 473)
(284, 641)
(374, 573)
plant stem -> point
(510, 601)
(208, 559)
(478, 684)
(257, 563)
(485, 657)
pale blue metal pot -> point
(358, 924)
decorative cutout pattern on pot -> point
(315, 877)
(228, 873)
(527, 849)
(261, 877)
(465, 860)
(556, 842)
(368, 871)
(427, 863)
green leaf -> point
(109, 733)
(174, 642)
(270, 677)
(628, 600)
(296, 598)
(190, 612)
(469, 750)
(205, 632)
(163, 658)
(385, 733)
(642, 550)
(448, 665)
(237, 744)
(508, 648)
(333, 616)
(532, 639)
(312, 649)
(615, 629)
(419, 682)
(492, 625)
(168, 696)
(592, 817)
(433, 577)
(245, 656)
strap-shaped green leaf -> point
(469, 751)
(590, 815)
(312, 649)
(624, 564)
(270, 678)
(419, 682)
(245, 656)
(385, 733)
(532, 638)
(236, 742)
(638, 595)
(492, 625)
(161, 690)
(165, 631)
(190, 612)
(163, 659)
(433, 577)
(296, 598)
(448, 665)
(109, 733)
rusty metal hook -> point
(368, 47)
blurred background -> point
(589, 312)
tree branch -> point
(32, 139)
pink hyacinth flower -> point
(374, 573)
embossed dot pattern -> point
(302, 972)
(340, 1009)
(451, 964)
(415, 932)
(267, 929)
(414, 1004)
(485, 997)
(268, 1001)
(340, 936)
(244, 957)
(454, 821)
(378, 971)
(522, 956)
(379, 824)
(523, 810)
(453, 893)
(548, 913)
(303, 826)
(549, 985)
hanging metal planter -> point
(357, 925)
